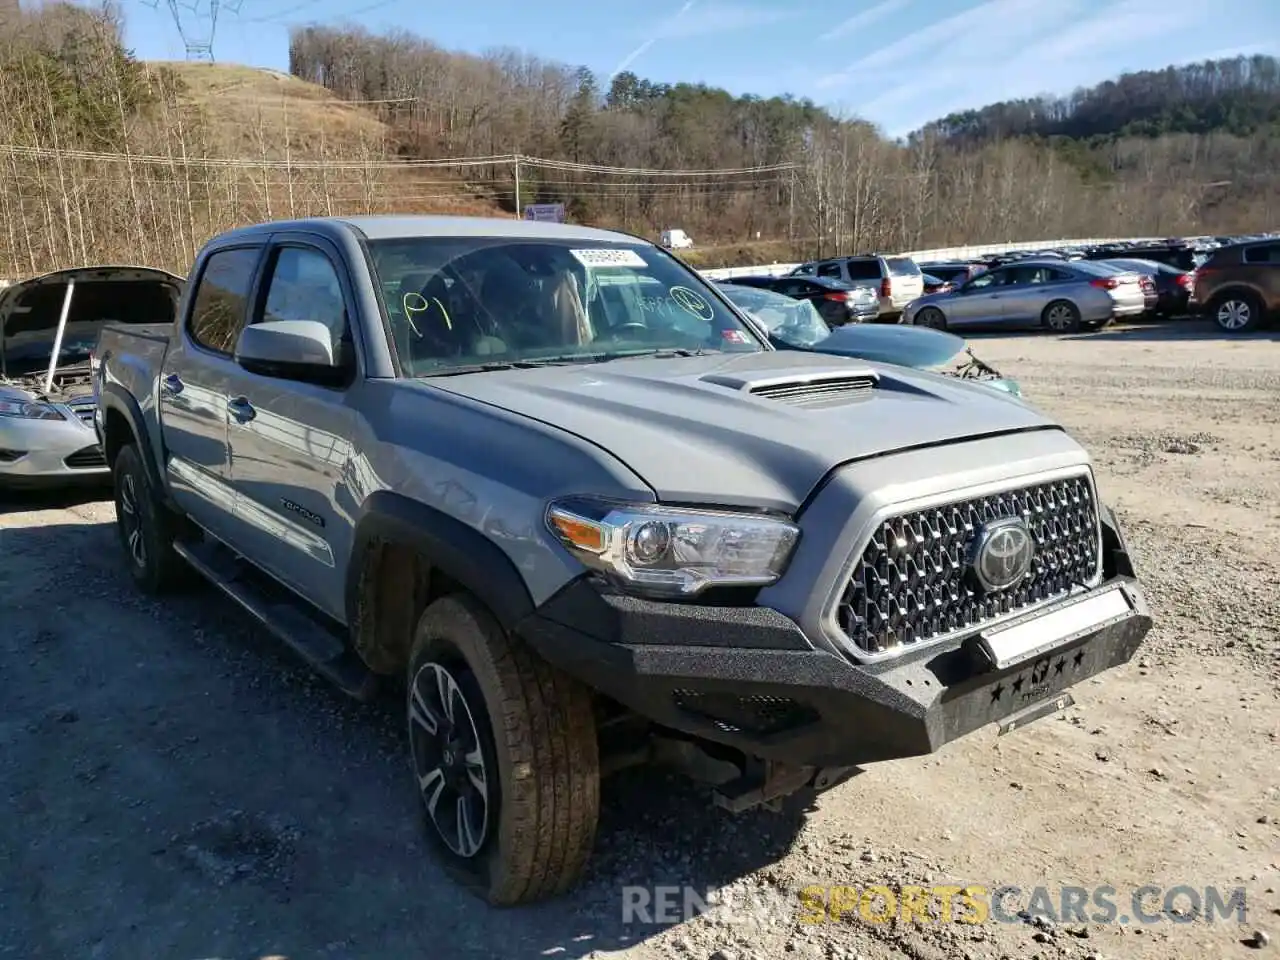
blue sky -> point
(898, 63)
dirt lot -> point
(177, 787)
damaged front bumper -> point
(747, 677)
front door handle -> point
(172, 384)
(241, 409)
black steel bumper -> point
(747, 677)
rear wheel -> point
(1061, 316)
(1237, 312)
(145, 525)
(504, 751)
(931, 317)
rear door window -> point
(1263, 253)
(864, 269)
(830, 269)
(222, 298)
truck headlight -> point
(29, 410)
(673, 551)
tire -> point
(1061, 316)
(930, 317)
(145, 525)
(1236, 312)
(521, 757)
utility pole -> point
(791, 208)
(515, 159)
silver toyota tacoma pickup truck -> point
(551, 480)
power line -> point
(36, 153)
(281, 15)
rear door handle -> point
(241, 409)
(172, 384)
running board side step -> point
(324, 650)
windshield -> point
(454, 303)
(30, 324)
(906, 346)
(796, 323)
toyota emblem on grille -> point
(1002, 553)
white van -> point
(675, 240)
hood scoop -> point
(827, 388)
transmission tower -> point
(197, 23)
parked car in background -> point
(934, 284)
(1176, 255)
(896, 280)
(1239, 286)
(1059, 295)
(954, 272)
(1173, 286)
(792, 325)
(838, 302)
(675, 239)
(46, 394)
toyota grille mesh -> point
(912, 583)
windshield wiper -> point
(565, 359)
(481, 368)
(637, 354)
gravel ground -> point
(176, 786)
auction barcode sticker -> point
(606, 257)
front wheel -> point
(1061, 316)
(505, 755)
(931, 317)
(1237, 312)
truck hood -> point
(753, 430)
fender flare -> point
(1238, 289)
(457, 550)
(1117, 560)
(115, 398)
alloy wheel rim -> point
(1059, 318)
(131, 520)
(1233, 314)
(453, 778)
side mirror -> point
(291, 350)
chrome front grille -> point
(912, 583)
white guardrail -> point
(928, 256)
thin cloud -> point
(865, 18)
(661, 33)
(718, 18)
(1081, 51)
(709, 18)
(992, 17)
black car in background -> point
(1173, 286)
(1175, 255)
(837, 302)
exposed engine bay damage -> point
(32, 325)
(975, 369)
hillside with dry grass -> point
(108, 159)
